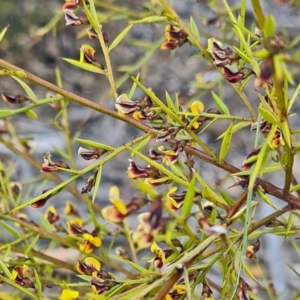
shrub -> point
(178, 227)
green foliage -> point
(190, 224)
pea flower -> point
(142, 108)
(14, 99)
(44, 200)
(178, 290)
(175, 37)
(119, 210)
(91, 266)
(150, 224)
(51, 215)
(72, 19)
(238, 76)
(167, 156)
(89, 184)
(18, 275)
(100, 285)
(174, 201)
(223, 57)
(89, 239)
(69, 295)
(265, 128)
(90, 154)
(50, 166)
(87, 55)
(160, 255)
(70, 209)
(252, 249)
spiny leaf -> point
(5, 270)
(194, 28)
(97, 183)
(84, 66)
(267, 115)
(120, 37)
(220, 104)
(2, 33)
(31, 114)
(94, 144)
(269, 27)
(189, 198)
(225, 146)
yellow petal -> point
(180, 289)
(113, 193)
(197, 107)
(111, 214)
(120, 206)
(69, 295)
(92, 262)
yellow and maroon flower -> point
(91, 266)
(160, 257)
(89, 184)
(251, 159)
(74, 20)
(119, 210)
(174, 201)
(134, 172)
(206, 292)
(69, 295)
(175, 37)
(44, 200)
(50, 166)
(100, 285)
(168, 134)
(266, 72)
(238, 76)
(90, 154)
(252, 249)
(178, 291)
(51, 215)
(90, 240)
(70, 209)
(14, 99)
(223, 57)
(87, 55)
(150, 224)
(18, 275)
(126, 106)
